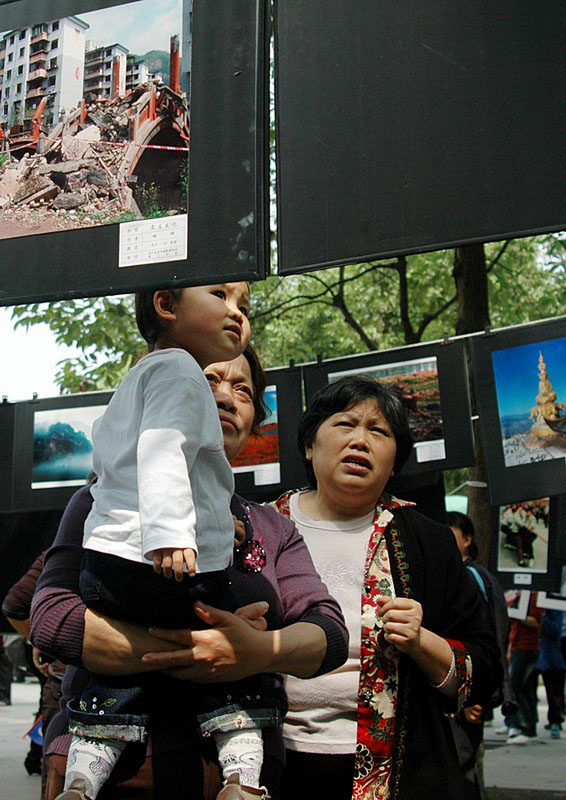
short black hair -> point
(347, 393)
(259, 382)
(149, 324)
(455, 519)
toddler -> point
(161, 510)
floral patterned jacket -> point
(408, 751)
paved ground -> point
(536, 771)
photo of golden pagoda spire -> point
(547, 410)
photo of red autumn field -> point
(262, 448)
(416, 382)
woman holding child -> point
(376, 726)
(305, 636)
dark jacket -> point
(427, 566)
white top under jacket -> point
(163, 477)
(322, 716)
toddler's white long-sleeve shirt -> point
(163, 477)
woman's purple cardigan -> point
(286, 578)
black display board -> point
(524, 456)
(23, 537)
(51, 449)
(46, 446)
(226, 175)
(412, 126)
(432, 379)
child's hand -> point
(169, 561)
(239, 532)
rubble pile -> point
(78, 173)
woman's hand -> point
(402, 625)
(473, 714)
(38, 663)
(238, 645)
(228, 650)
(402, 620)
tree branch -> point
(493, 263)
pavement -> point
(534, 771)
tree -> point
(345, 310)
(333, 312)
(471, 279)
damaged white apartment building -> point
(50, 67)
(43, 62)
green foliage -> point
(148, 198)
(184, 183)
(332, 312)
(529, 281)
(386, 304)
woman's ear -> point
(164, 304)
(308, 453)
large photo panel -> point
(409, 126)
(116, 120)
(521, 392)
(432, 381)
(46, 446)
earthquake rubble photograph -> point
(94, 119)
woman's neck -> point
(317, 506)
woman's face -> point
(352, 456)
(231, 383)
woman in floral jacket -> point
(377, 726)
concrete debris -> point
(85, 167)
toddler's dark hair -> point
(149, 324)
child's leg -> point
(240, 752)
(92, 760)
(234, 715)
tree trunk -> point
(470, 276)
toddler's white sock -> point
(92, 760)
(242, 752)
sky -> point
(517, 377)
(139, 26)
(28, 360)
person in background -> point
(16, 607)
(524, 647)
(467, 726)
(552, 667)
(6, 672)
(376, 727)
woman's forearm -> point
(433, 656)
(298, 649)
(112, 647)
(232, 649)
